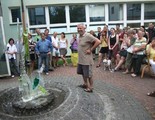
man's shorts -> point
(85, 70)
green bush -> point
(60, 62)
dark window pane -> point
(15, 13)
(133, 25)
(77, 13)
(149, 11)
(133, 11)
(115, 12)
(57, 14)
(37, 16)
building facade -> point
(64, 15)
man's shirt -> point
(43, 46)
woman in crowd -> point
(146, 34)
(55, 44)
(113, 44)
(120, 57)
(63, 45)
(104, 48)
(11, 51)
(105, 28)
(128, 61)
(150, 51)
(74, 49)
(138, 53)
(74, 44)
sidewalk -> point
(115, 97)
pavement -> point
(115, 96)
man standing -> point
(151, 31)
(43, 49)
(48, 37)
(87, 43)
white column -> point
(87, 17)
(67, 18)
(142, 14)
(125, 14)
(47, 18)
(106, 14)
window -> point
(96, 13)
(73, 28)
(15, 13)
(149, 11)
(37, 16)
(77, 13)
(115, 12)
(57, 14)
(133, 11)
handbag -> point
(71, 47)
(130, 49)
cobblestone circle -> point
(107, 102)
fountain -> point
(33, 92)
(31, 97)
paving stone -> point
(107, 102)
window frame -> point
(10, 15)
(83, 5)
(145, 4)
(132, 11)
(64, 14)
(37, 15)
(111, 11)
(103, 5)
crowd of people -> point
(127, 47)
(43, 49)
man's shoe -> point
(47, 73)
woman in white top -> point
(63, 45)
(11, 51)
(55, 41)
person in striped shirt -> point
(138, 53)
